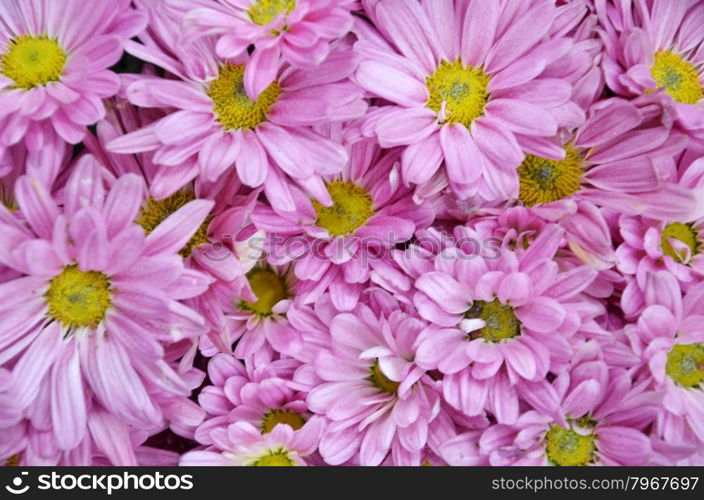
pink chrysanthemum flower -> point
(89, 273)
(671, 243)
(299, 32)
(54, 60)
(221, 249)
(260, 395)
(499, 322)
(256, 318)
(243, 444)
(376, 397)
(465, 86)
(657, 46)
(599, 420)
(670, 338)
(214, 127)
(336, 247)
(611, 161)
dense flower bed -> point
(342, 232)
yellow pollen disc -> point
(685, 233)
(269, 288)
(352, 207)
(262, 12)
(566, 447)
(7, 198)
(501, 321)
(275, 417)
(33, 60)
(381, 381)
(13, 461)
(233, 108)
(685, 364)
(457, 91)
(679, 77)
(543, 180)
(78, 298)
(278, 458)
(154, 212)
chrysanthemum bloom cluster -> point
(339, 232)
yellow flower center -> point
(685, 364)
(352, 207)
(33, 60)
(566, 447)
(13, 461)
(684, 233)
(262, 12)
(501, 321)
(233, 107)
(457, 92)
(275, 417)
(7, 198)
(269, 288)
(679, 77)
(277, 458)
(381, 381)
(78, 298)
(543, 180)
(154, 212)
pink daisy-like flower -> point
(498, 323)
(221, 250)
(243, 444)
(88, 273)
(612, 160)
(216, 125)
(376, 398)
(465, 86)
(657, 47)
(665, 243)
(258, 393)
(54, 60)
(599, 420)
(256, 318)
(299, 32)
(670, 338)
(336, 247)
(259, 396)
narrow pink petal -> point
(464, 161)
(480, 22)
(68, 406)
(174, 232)
(391, 83)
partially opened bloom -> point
(216, 125)
(657, 47)
(336, 247)
(299, 32)
(497, 323)
(54, 60)
(378, 400)
(464, 84)
(94, 310)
